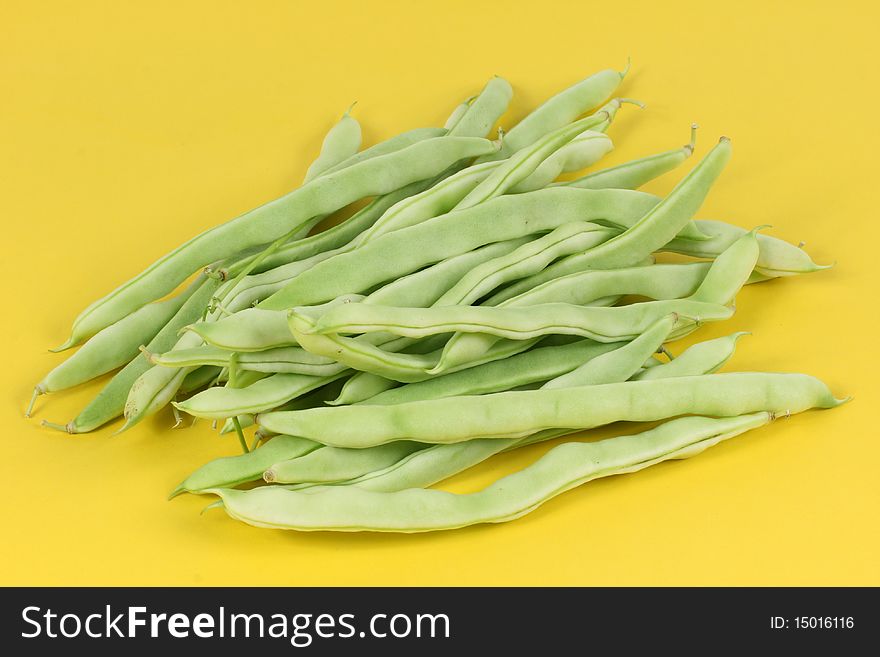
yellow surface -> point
(128, 127)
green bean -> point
(286, 360)
(653, 231)
(326, 194)
(266, 394)
(515, 414)
(233, 470)
(457, 113)
(702, 358)
(333, 464)
(485, 110)
(730, 271)
(113, 346)
(605, 366)
(524, 163)
(634, 174)
(424, 287)
(342, 141)
(560, 110)
(776, 257)
(457, 232)
(389, 146)
(581, 152)
(366, 357)
(110, 402)
(574, 237)
(534, 365)
(361, 386)
(350, 508)
(600, 324)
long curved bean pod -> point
(350, 508)
(342, 141)
(388, 146)
(702, 358)
(634, 174)
(268, 393)
(525, 162)
(652, 232)
(561, 109)
(515, 414)
(581, 152)
(333, 464)
(422, 288)
(598, 323)
(606, 366)
(528, 259)
(273, 220)
(233, 470)
(776, 257)
(113, 346)
(286, 360)
(538, 364)
(485, 110)
(109, 404)
(409, 249)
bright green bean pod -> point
(351, 508)
(702, 358)
(379, 175)
(341, 142)
(516, 414)
(409, 249)
(605, 366)
(333, 464)
(485, 110)
(652, 232)
(234, 470)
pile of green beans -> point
(475, 304)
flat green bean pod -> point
(351, 508)
(391, 145)
(361, 386)
(234, 470)
(702, 358)
(517, 414)
(654, 230)
(265, 394)
(574, 237)
(634, 174)
(605, 367)
(342, 141)
(379, 175)
(485, 110)
(598, 323)
(410, 249)
(287, 360)
(581, 152)
(560, 110)
(776, 257)
(333, 464)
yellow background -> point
(127, 127)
